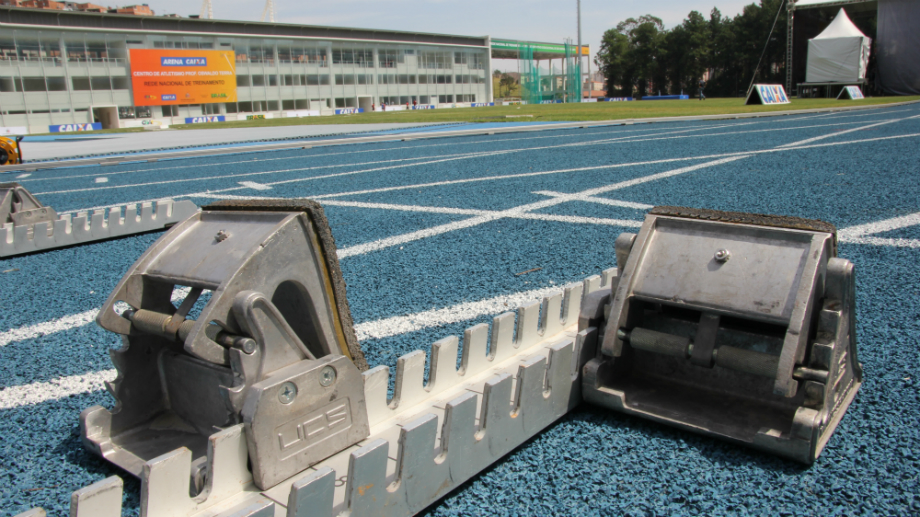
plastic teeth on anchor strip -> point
(424, 442)
(85, 227)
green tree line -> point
(640, 57)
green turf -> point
(548, 112)
(545, 112)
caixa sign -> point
(348, 111)
(183, 61)
(205, 120)
(481, 104)
(424, 107)
(67, 128)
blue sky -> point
(537, 20)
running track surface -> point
(431, 235)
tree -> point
(640, 55)
(506, 82)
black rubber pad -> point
(776, 221)
(321, 226)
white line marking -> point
(600, 200)
(253, 185)
(838, 133)
(215, 193)
(102, 179)
(863, 233)
(26, 175)
(65, 323)
(38, 392)
(396, 240)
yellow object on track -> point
(10, 152)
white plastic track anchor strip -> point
(85, 227)
(424, 442)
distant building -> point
(52, 5)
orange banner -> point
(161, 77)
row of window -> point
(407, 79)
(59, 84)
(98, 83)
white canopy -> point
(839, 54)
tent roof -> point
(841, 27)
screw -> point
(327, 376)
(288, 393)
(722, 255)
(221, 236)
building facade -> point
(62, 68)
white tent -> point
(839, 54)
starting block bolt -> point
(722, 255)
(221, 236)
(327, 376)
(288, 393)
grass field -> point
(548, 112)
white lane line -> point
(599, 200)
(219, 193)
(39, 392)
(487, 213)
(225, 176)
(262, 160)
(65, 323)
(397, 325)
(864, 233)
(48, 327)
(255, 186)
(102, 179)
(396, 240)
(63, 387)
(21, 176)
(838, 133)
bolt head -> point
(288, 393)
(722, 255)
(327, 376)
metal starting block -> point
(27, 226)
(254, 403)
(273, 348)
(738, 326)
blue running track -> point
(430, 224)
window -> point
(386, 79)
(466, 98)
(339, 101)
(170, 111)
(258, 80)
(125, 112)
(242, 80)
(444, 99)
(119, 83)
(80, 83)
(344, 79)
(434, 60)
(388, 58)
(10, 84)
(317, 79)
(272, 80)
(443, 79)
(33, 84)
(100, 83)
(272, 106)
(56, 84)
(406, 79)
(143, 112)
(231, 107)
(357, 57)
(287, 105)
(365, 78)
